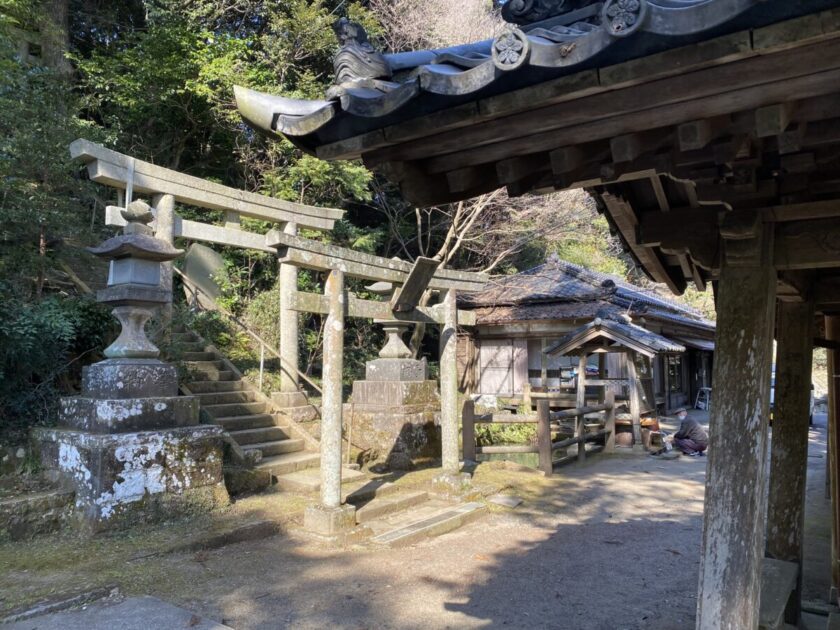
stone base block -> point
(331, 522)
(452, 484)
(395, 393)
(126, 478)
(127, 415)
(396, 370)
(289, 399)
(129, 378)
(411, 430)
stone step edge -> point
(446, 521)
(383, 506)
(288, 482)
(369, 491)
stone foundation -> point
(125, 478)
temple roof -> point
(695, 124)
(400, 86)
(612, 333)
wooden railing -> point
(546, 420)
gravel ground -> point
(611, 544)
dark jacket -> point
(691, 429)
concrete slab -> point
(505, 500)
(134, 613)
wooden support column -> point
(832, 332)
(449, 385)
(581, 382)
(468, 434)
(165, 231)
(609, 424)
(289, 381)
(635, 403)
(544, 437)
(789, 446)
(735, 503)
(332, 392)
(544, 365)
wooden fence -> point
(546, 421)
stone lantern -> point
(130, 447)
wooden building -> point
(709, 133)
(519, 317)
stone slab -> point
(505, 500)
(395, 393)
(129, 378)
(289, 399)
(329, 522)
(134, 613)
(32, 514)
(121, 479)
(444, 521)
(128, 415)
(396, 370)
(388, 430)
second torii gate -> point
(330, 517)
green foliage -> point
(41, 348)
(498, 434)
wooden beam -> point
(772, 120)
(112, 169)
(304, 302)
(697, 134)
(408, 297)
(514, 169)
(808, 245)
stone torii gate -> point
(330, 517)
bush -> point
(497, 434)
(42, 348)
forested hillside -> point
(154, 79)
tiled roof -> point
(619, 331)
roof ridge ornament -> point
(623, 17)
(510, 49)
(357, 61)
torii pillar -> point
(735, 503)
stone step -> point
(209, 364)
(213, 374)
(259, 435)
(278, 447)
(227, 410)
(215, 387)
(187, 337)
(242, 423)
(304, 413)
(199, 356)
(443, 520)
(382, 506)
(359, 493)
(309, 480)
(190, 346)
(289, 462)
(225, 398)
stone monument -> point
(130, 447)
(395, 411)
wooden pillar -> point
(581, 382)
(289, 381)
(789, 446)
(544, 437)
(544, 366)
(609, 424)
(165, 231)
(332, 392)
(735, 503)
(468, 432)
(666, 381)
(635, 403)
(832, 332)
(449, 385)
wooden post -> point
(468, 430)
(609, 425)
(581, 382)
(666, 381)
(580, 434)
(332, 392)
(832, 332)
(449, 385)
(635, 403)
(789, 446)
(526, 397)
(544, 437)
(735, 503)
(165, 231)
(544, 366)
(289, 381)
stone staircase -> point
(241, 410)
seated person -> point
(691, 439)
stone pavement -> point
(134, 613)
